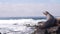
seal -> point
(52, 25)
(50, 21)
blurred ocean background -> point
(15, 14)
(19, 25)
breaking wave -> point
(19, 26)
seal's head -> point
(45, 13)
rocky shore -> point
(51, 26)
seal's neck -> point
(49, 16)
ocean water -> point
(19, 25)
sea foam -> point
(19, 25)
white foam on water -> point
(19, 25)
(20, 21)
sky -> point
(28, 8)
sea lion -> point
(51, 24)
(42, 26)
(50, 21)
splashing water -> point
(18, 26)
